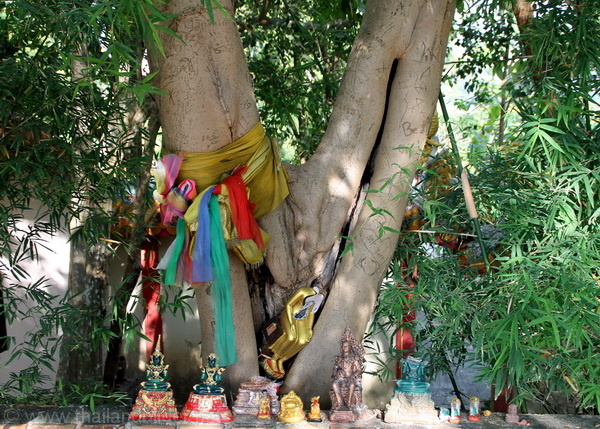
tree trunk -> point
(209, 103)
(80, 359)
(415, 34)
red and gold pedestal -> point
(154, 405)
(206, 409)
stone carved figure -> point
(346, 388)
(512, 416)
(210, 378)
(296, 321)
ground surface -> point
(111, 417)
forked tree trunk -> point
(210, 102)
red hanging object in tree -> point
(153, 326)
(404, 339)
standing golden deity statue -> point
(296, 322)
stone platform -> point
(113, 417)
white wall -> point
(182, 338)
(53, 264)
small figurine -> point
(444, 414)
(296, 322)
(155, 399)
(210, 378)
(250, 394)
(315, 410)
(474, 415)
(346, 389)
(454, 411)
(207, 403)
(346, 384)
(412, 401)
(512, 416)
(413, 376)
(291, 409)
(264, 407)
(156, 372)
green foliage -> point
(533, 322)
(70, 82)
(86, 392)
(296, 54)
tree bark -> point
(414, 33)
(209, 103)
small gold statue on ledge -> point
(291, 409)
(264, 407)
(315, 410)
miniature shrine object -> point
(474, 414)
(315, 410)
(264, 407)
(207, 403)
(346, 382)
(295, 329)
(454, 411)
(412, 401)
(512, 416)
(250, 394)
(444, 414)
(155, 399)
(291, 409)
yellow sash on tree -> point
(265, 179)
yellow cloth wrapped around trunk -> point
(265, 177)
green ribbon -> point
(220, 292)
(171, 270)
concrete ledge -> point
(114, 417)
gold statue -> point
(291, 410)
(315, 410)
(296, 322)
(264, 407)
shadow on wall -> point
(53, 265)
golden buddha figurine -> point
(264, 407)
(296, 321)
(291, 410)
